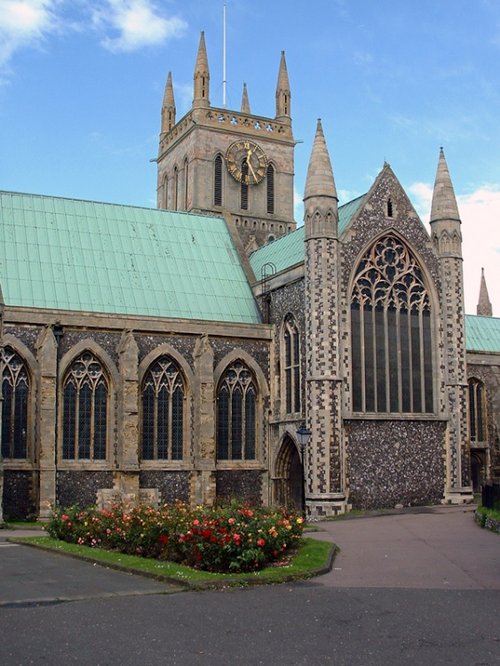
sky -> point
(82, 81)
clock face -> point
(246, 162)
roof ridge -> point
(111, 203)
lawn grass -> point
(311, 558)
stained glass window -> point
(291, 343)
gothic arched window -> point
(291, 364)
(477, 411)
(236, 414)
(270, 188)
(218, 181)
(15, 405)
(163, 411)
(391, 332)
(85, 409)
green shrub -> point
(228, 538)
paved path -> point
(405, 590)
(441, 548)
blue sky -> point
(81, 85)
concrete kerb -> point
(185, 585)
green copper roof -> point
(81, 255)
(289, 250)
(482, 334)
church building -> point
(186, 352)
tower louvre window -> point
(218, 181)
(391, 333)
(244, 185)
(176, 189)
(270, 188)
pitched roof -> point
(482, 334)
(288, 250)
(82, 255)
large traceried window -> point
(391, 332)
(85, 409)
(477, 411)
(236, 414)
(15, 405)
(291, 364)
(163, 411)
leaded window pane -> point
(223, 424)
(250, 425)
(236, 414)
(85, 410)
(100, 421)
(69, 431)
(291, 358)
(162, 411)
(391, 337)
(15, 405)
(477, 411)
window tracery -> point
(236, 414)
(15, 405)
(163, 411)
(391, 332)
(85, 409)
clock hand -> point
(250, 167)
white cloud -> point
(480, 214)
(25, 23)
(134, 24)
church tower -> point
(325, 494)
(218, 161)
(447, 241)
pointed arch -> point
(18, 373)
(218, 171)
(290, 355)
(87, 383)
(270, 192)
(288, 479)
(478, 411)
(165, 406)
(392, 349)
(186, 183)
(240, 389)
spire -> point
(444, 203)
(283, 94)
(484, 304)
(320, 181)
(201, 76)
(168, 107)
(245, 104)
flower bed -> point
(231, 538)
